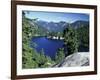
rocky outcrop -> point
(74, 60)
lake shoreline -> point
(49, 46)
(49, 37)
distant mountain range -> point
(53, 26)
(60, 26)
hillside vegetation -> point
(75, 39)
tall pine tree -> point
(70, 40)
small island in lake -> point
(54, 39)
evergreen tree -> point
(71, 40)
(59, 55)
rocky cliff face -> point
(74, 60)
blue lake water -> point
(49, 46)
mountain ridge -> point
(58, 26)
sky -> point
(56, 16)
